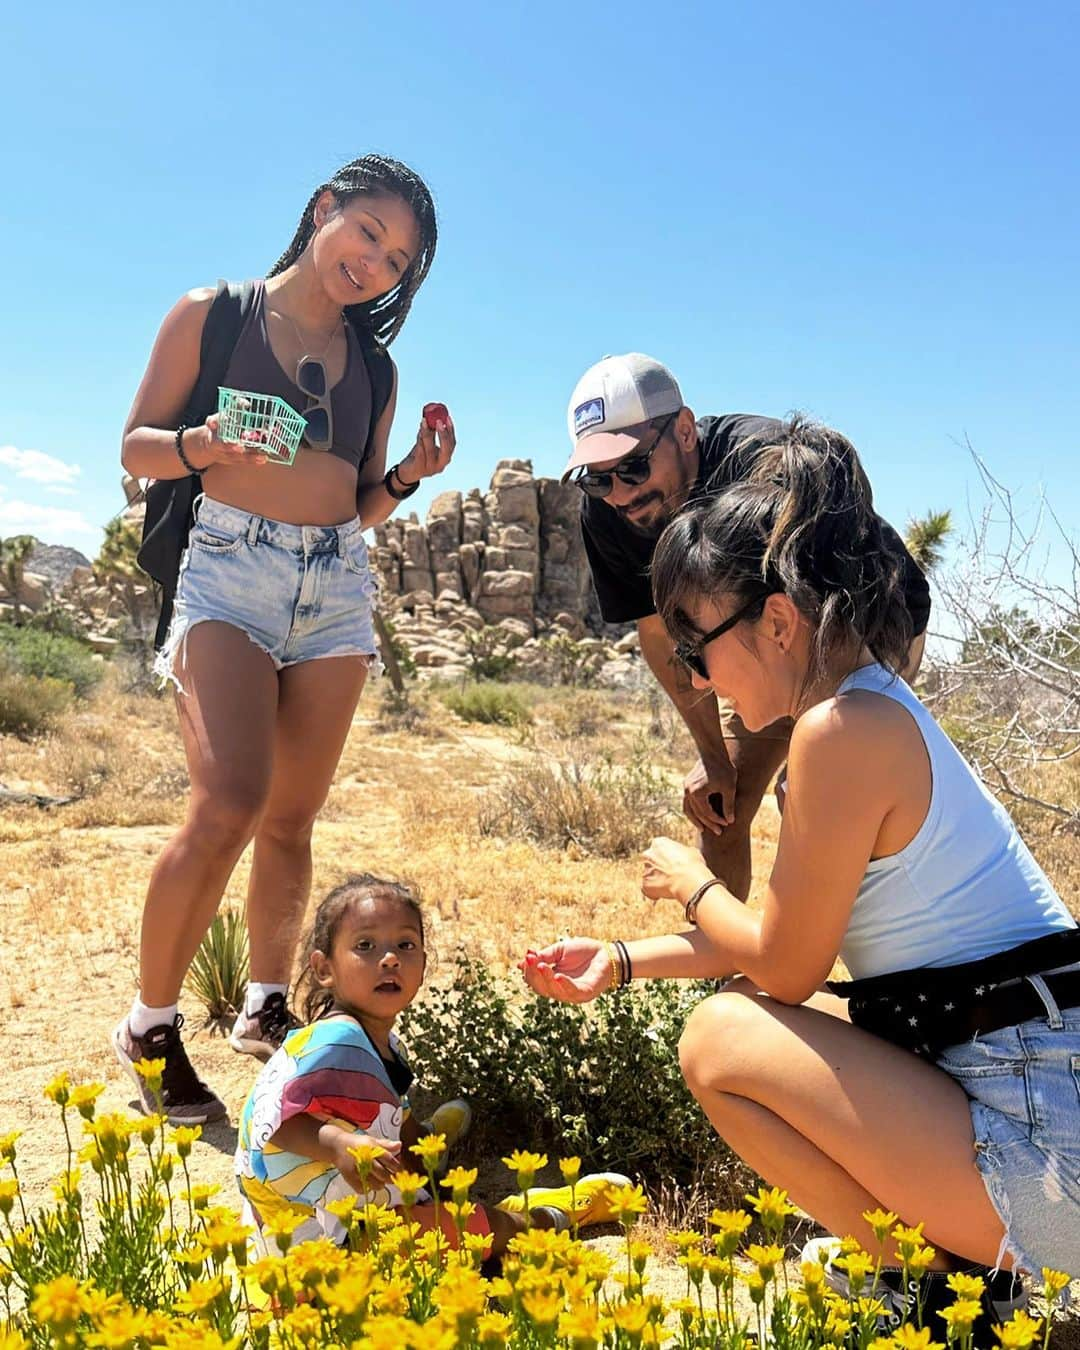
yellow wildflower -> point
(908, 1241)
(84, 1097)
(150, 1071)
(148, 1127)
(639, 1256)
(626, 1204)
(199, 1298)
(8, 1191)
(582, 1326)
(12, 1340)
(570, 1169)
(303, 1324)
(765, 1258)
(880, 1221)
(631, 1316)
(772, 1207)
(960, 1316)
(542, 1307)
(120, 1329)
(907, 1337)
(282, 1226)
(526, 1165)
(756, 1286)
(493, 1330)
(59, 1089)
(429, 1150)
(7, 1145)
(58, 1304)
(458, 1180)
(200, 1194)
(1055, 1282)
(1020, 1331)
(730, 1224)
(183, 1137)
(858, 1266)
(694, 1261)
(920, 1261)
(409, 1185)
(966, 1286)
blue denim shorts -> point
(299, 592)
(1023, 1085)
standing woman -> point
(946, 1087)
(272, 632)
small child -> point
(341, 1080)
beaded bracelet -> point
(180, 448)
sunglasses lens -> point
(595, 484)
(318, 426)
(311, 377)
(692, 658)
(634, 471)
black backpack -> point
(170, 502)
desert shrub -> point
(488, 654)
(580, 713)
(561, 659)
(49, 655)
(502, 705)
(219, 973)
(600, 1081)
(29, 705)
(54, 618)
(598, 805)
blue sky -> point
(869, 212)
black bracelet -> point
(180, 448)
(690, 913)
(624, 958)
(407, 488)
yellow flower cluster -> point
(162, 1282)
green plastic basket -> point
(261, 422)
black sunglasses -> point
(311, 380)
(634, 469)
(692, 654)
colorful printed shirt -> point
(332, 1071)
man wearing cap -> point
(639, 455)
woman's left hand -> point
(432, 452)
(672, 871)
(574, 970)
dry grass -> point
(73, 878)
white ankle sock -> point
(257, 994)
(142, 1017)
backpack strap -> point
(380, 371)
(170, 502)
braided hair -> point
(378, 176)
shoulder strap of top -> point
(380, 371)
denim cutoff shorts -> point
(1023, 1085)
(299, 592)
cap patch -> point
(588, 414)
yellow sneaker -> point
(589, 1203)
(451, 1119)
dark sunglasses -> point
(311, 380)
(692, 654)
(633, 469)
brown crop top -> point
(255, 367)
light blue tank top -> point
(965, 887)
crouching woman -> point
(943, 1081)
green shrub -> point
(600, 806)
(36, 651)
(218, 975)
(29, 706)
(601, 1081)
(484, 702)
(488, 654)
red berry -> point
(434, 413)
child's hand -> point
(385, 1163)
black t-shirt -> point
(620, 557)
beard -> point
(652, 525)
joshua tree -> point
(926, 537)
(13, 555)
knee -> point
(289, 827)
(224, 819)
(707, 1047)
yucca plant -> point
(219, 973)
